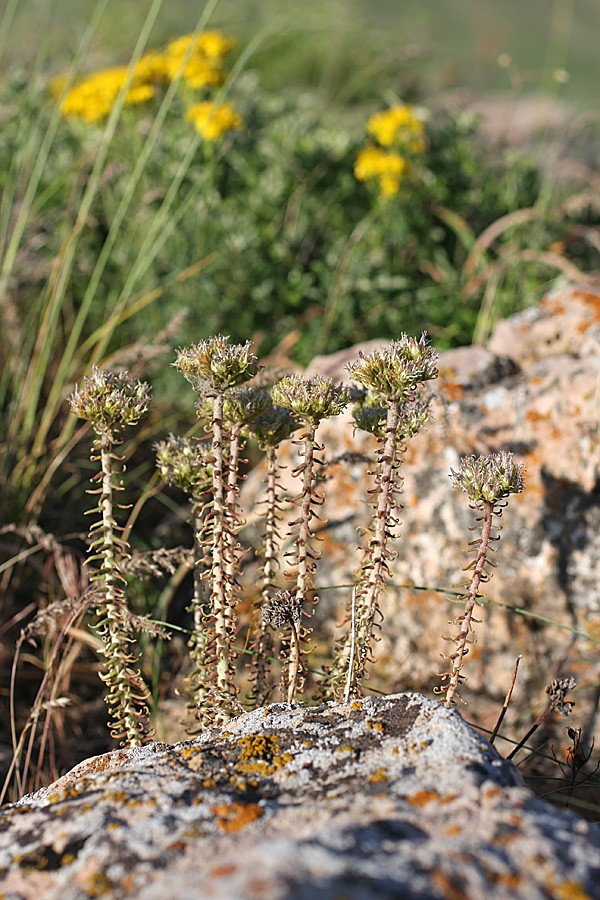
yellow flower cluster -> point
(213, 119)
(399, 132)
(398, 127)
(92, 98)
(205, 58)
(197, 59)
(389, 168)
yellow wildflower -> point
(388, 168)
(212, 119)
(204, 65)
(399, 127)
(92, 98)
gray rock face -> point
(381, 798)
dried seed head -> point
(184, 462)
(393, 372)
(557, 690)
(110, 401)
(282, 610)
(488, 479)
(215, 365)
(310, 399)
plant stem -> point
(294, 663)
(303, 579)
(478, 573)
(220, 591)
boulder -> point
(392, 797)
(534, 391)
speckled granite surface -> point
(391, 797)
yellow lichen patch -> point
(357, 705)
(188, 752)
(422, 798)
(569, 890)
(379, 775)
(209, 782)
(377, 726)
(113, 825)
(98, 885)
(67, 858)
(236, 816)
(345, 749)
(260, 754)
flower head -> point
(204, 54)
(215, 365)
(373, 163)
(310, 399)
(395, 371)
(92, 98)
(488, 479)
(213, 119)
(557, 690)
(413, 415)
(399, 127)
(282, 610)
(185, 463)
(273, 426)
(110, 401)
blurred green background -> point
(346, 46)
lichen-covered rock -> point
(381, 798)
(533, 391)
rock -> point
(392, 797)
(534, 391)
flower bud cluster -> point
(489, 479)
(393, 372)
(184, 462)
(413, 415)
(215, 365)
(310, 399)
(110, 401)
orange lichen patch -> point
(357, 705)
(422, 798)
(236, 816)
(510, 881)
(452, 829)
(379, 775)
(454, 391)
(209, 782)
(504, 839)
(448, 799)
(532, 415)
(221, 871)
(448, 886)
(175, 845)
